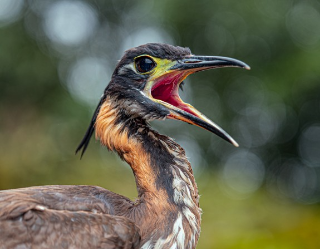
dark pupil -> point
(144, 64)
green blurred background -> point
(56, 57)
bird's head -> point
(146, 84)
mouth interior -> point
(166, 89)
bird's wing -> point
(29, 219)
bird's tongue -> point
(167, 89)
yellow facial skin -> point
(162, 67)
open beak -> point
(165, 89)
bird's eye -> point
(144, 64)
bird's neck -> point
(167, 208)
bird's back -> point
(65, 217)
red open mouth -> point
(166, 89)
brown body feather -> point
(65, 217)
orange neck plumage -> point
(167, 190)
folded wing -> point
(43, 217)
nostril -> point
(192, 61)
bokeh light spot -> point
(301, 181)
(69, 22)
(243, 172)
(10, 11)
(244, 92)
(309, 145)
(146, 35)
(303, 24)
(87, 79)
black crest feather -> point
(86, 139)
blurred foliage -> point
(56, 57)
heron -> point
(166, 214)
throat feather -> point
(164, 178)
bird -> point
(166, 214)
